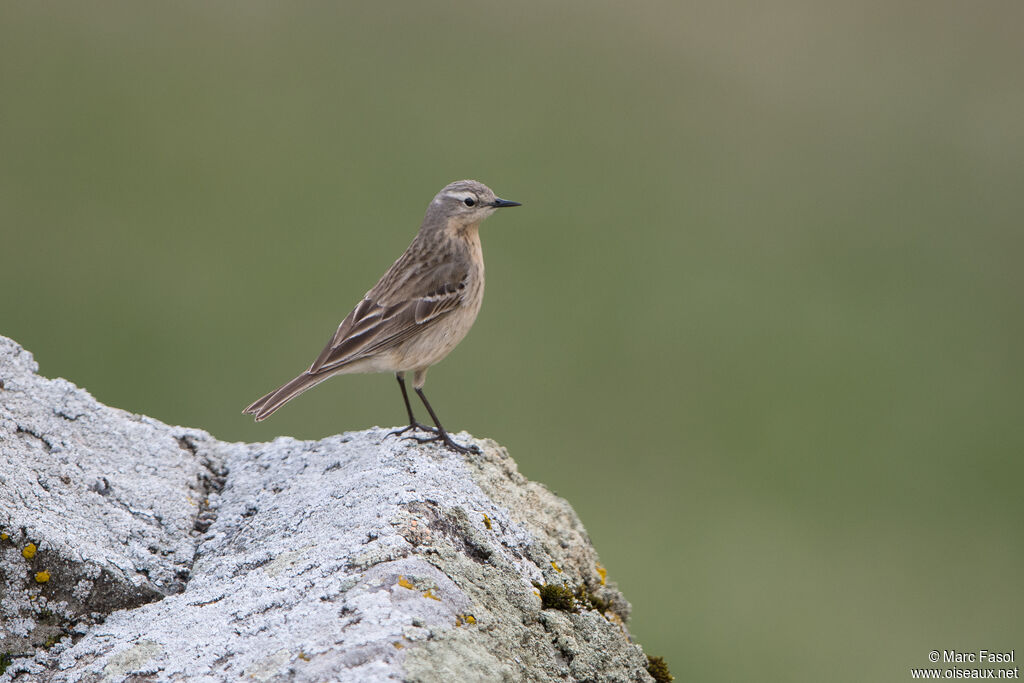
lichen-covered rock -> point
(360, 557)
(99, 508)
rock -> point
(162, 553)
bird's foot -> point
(413, 425)
(447, 441)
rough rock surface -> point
(161, 553)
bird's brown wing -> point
(392, 312)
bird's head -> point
(464, 203)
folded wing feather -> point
(372, 327)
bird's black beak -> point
(499, 203)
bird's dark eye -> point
(469, 201)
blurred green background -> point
(759, 320)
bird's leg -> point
(413, 424)
(440, 435)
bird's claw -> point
(447, 441)
(414, 425)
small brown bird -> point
(417, 312)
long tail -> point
(266, 406)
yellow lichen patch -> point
(29, 551)
(43, 576)
(603, 573)
(461, 619)
(304, 657)
(487, 521)
(397, 645)
(470, 619)
(4, 536)
(555, 565)
(429, 593)
(405, 583)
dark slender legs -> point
(441, 434)
(413, 424)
